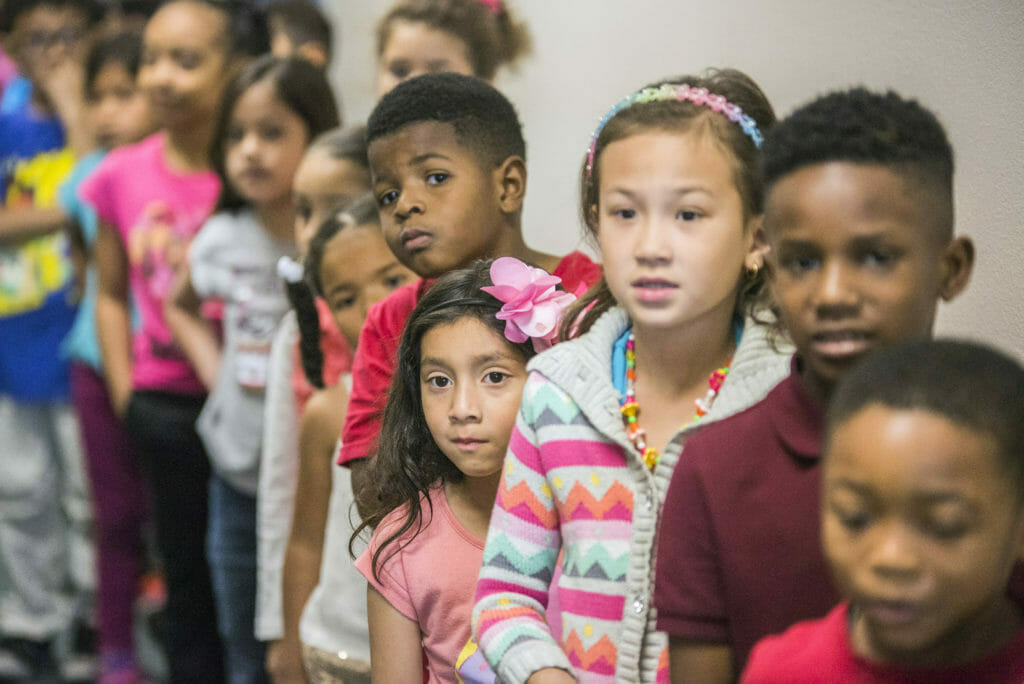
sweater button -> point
(638, 606)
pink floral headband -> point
(533, 305)
(679, 92)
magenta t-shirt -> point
(157, 211)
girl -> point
(151, 198)
(350, 267)
(670, 189)
(470, 37)
(332, 174)
(270, 113)
(445, 430)
(119, 115)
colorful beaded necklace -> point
(630, 409)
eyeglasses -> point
(40, 41)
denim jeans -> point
(231, 548)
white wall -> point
(964, 59)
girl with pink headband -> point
(670, 340)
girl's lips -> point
(891, 613)
(653, 289)
(468, 443)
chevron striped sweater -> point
(572, 482)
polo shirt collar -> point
(797, 418)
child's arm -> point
(318, 436)
(396, 653)
(23, 224)
(191, 331)
(522, 546)
(113, 315)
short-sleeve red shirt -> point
(374, 362)
(739, 552)
(820, 651)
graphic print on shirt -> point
(33, 270)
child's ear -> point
(510, 183)
(957, 265)
(757, 252)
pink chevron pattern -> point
(616, 504)
(599, 658)
(521, 502)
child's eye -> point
(235, 134)
(436, 178)
(271, 132)
(394, 282)
(343, 303)
(852, 519)
(625, 214)
(799, 264)
(878, 258)
(687, 215)
(384, 199)
(495, 377)
(399, 70)
(438, 381)
(188, 60)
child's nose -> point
(891, 554)
(464, 406)
(651, 244)
(835, 286)
(408, 203)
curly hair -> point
(492, 38)
(484, 120)
(409, 463)
(863, 127)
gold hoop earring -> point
(752, 271)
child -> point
(333, 173)
(270, 113)
(120, 116)
(446, 426)
(151, 198)
(671, 191)
(350, 267)
(45, 511)
(298, 27)
(922, 522)
(859, 216)
(471, 37)
(447, 158)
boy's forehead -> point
(50, 16)
(414, 142)
(849, 192)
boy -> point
(922, 522)
(298, 27)
(44, 502)
(447, 161)
(859, 217)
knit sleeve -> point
(521, 552)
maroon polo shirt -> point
(739, 552)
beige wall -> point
(962, 58)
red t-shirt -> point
(739, 551)
(374, 361)
(819, 651)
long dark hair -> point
(682, 116)
(409, 463)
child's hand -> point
(284, 662)
(551, 675)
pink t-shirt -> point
(431, 581)
(157, 211)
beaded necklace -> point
(630, 409)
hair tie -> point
(533, 305)
(678, 92)
(493, 5)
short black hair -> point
(124, 49)
(303, 22)
(484, 120)
(969, 384)
(10, 10)
(247, 32)
(861, 126)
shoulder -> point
(805, 652)
(389, 314)
(325, 411)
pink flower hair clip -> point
(533, 305)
